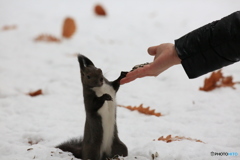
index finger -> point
(138, 73)
(126, 80)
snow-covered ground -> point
(114, 43)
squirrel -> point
(100, 140)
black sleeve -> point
(210, 47)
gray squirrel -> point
(100, 140)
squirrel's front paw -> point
(107, 97)
(123, 74)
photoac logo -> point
(224, 153)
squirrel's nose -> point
(101, 80)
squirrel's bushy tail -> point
(74, 146)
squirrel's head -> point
(90, 75)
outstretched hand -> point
(165, 56)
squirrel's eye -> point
(88, 77)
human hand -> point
(165, 56)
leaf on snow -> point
(99, 10)
(169, 138)
(69, 27)
(143, 110)
(9, 27)
(35, 93)
(217, 80)
(47, 38)
(228, 82)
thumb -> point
(152, 50)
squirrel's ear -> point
(84, 61)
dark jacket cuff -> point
(210, 47)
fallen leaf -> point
(143, 110)
(9, 27)
(211, 82)
(47, 38)
(35, 93)
(69, 27)
(228, 82)
(169, 139)
(217, 80)
(99, 10)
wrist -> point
(176, 58)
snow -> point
(114, 43)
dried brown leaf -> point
(169, 138)
(216, 80)
(228, 82)
(143, 110)
(211, 82)
(47, 38)
(35, 93)
(69, 27)
(99, 10)
(9, 27)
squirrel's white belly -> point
(107, 113)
